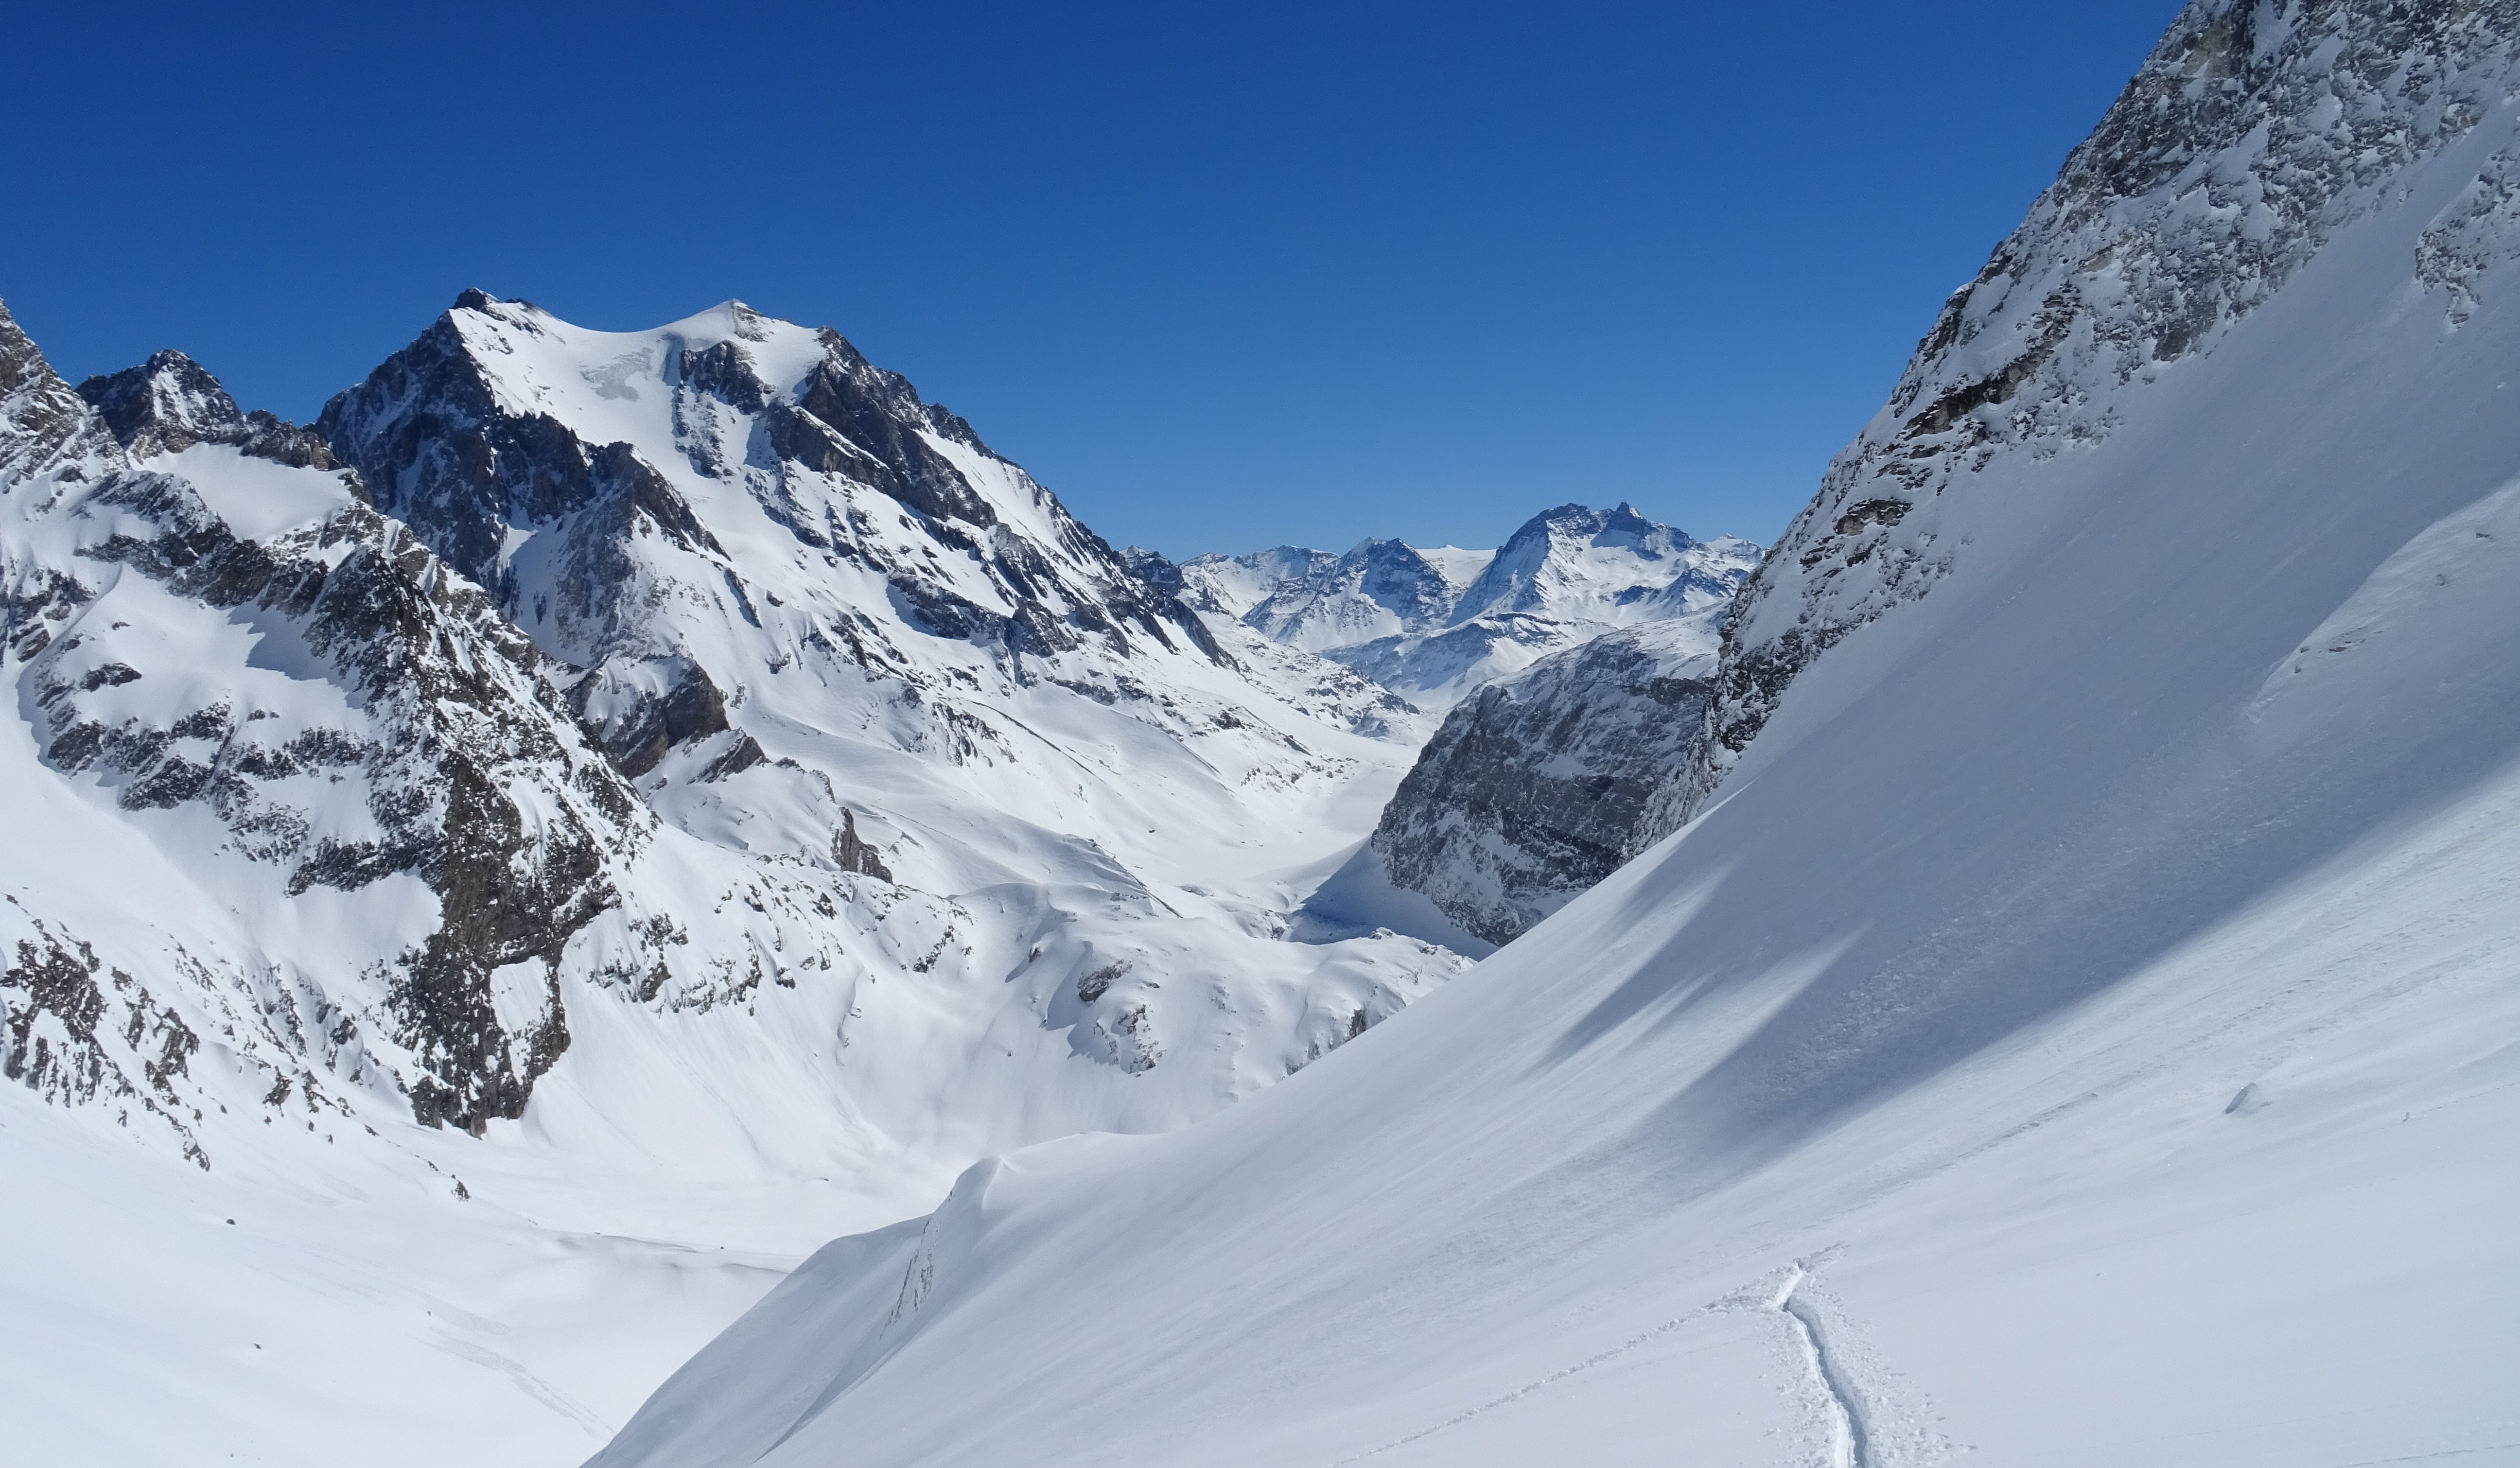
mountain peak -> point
(171, 402)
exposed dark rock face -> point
(443, 717)
(169, 403)
(672, 703)
(1154, 569)
(2252, 133)
(1532, 790)
(854, 854)
(108, 1038)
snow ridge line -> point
(1850, 1441)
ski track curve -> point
(1851, 1438)
(1850, 1441)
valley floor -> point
(403, 1295)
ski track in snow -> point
(527, 1382)
(1850, 1443)
(1830, 1379)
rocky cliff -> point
(1532, 790)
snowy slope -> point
(2075, 1030)
(531, 1001)
(1434, 624)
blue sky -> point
(1221, 277)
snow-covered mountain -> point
(1533, 788)
(665, 789)
(1432, 624)
(2074, 1024)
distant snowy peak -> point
(1612, 566)
(1235, 585)
(1434, 622)
(1380, 588)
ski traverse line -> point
(1850, 1446)
(1518, 1393)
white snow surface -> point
(2078, 1031)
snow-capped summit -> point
(1610, 566)
(170, 403)
(1434, 623)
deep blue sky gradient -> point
(1223, 277)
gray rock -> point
(1532, 790)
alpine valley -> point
(647, 895)
(2064, 1010)
(501, 874)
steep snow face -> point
(2076, 1029)
(1434, 624)
(1533, 788)
(532, 1000)
(2251, 135)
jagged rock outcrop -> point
(409, 734)
(1532, 790)
(169, 403)
(2251, 135)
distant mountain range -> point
(1434, 623)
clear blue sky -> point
(1221, 277)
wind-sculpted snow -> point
(1435, 624)
(2076, 1029)
(2252, 134)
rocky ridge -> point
(440, 767)
(2251, 134)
